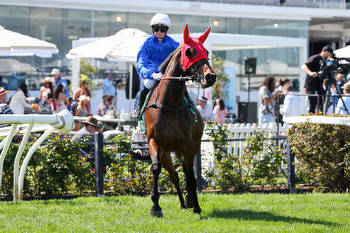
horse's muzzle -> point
(209, 80)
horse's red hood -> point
(197, 44)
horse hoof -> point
(157, 213)
(197, 210)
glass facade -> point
(62, 26)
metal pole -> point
(291, 170)
(99, 166)
(248, 87)
(198, 171)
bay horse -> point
(172, 123)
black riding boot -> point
(142, 98)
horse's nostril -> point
(210, 76)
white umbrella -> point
(16, 44)
(343, 52)
(122, 46)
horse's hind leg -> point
(191, 184)
(168, 165)
(155, 169)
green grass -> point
(220, 213)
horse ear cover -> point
(197, 44)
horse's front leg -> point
(155, 169)
(191, 184)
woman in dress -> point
(220, 111)
(61, 100)
(267, 99)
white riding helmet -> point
(160, 18)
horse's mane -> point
(166, 62)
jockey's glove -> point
(157, 76)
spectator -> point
(60, 99)
(20, 100)
(283, 82)
(104, 106)
(82, 90)
(267, 99)
(341, 107)
(152, 53)
(59, 80)
(4, 108)
(46, 92)
(220, 111)
(313, 83)
(90, 127)
(82, 109)
(204, 109)
(108, 87)
(292, 105)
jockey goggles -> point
(159, 28)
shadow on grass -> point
(261, 216)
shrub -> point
(323, 154)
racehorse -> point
(172, 123)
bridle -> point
(196, 76)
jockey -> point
(152, 53)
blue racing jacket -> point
(153, 53)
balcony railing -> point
(330, 4)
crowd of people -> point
(286, 102)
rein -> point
(181, 78)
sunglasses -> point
(161, 29)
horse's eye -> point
(191, 52)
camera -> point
(334, 64)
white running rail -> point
(62, 121)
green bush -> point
(323, 155)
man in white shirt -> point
(292, 105)
(340, 106)
(205, 109)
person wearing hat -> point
(152, 53)
(313, 83)
(204, 109)
(59, 80)
(46, 91)
(340, 109)
(4, 108)
(90, 127)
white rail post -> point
(17, 159)
(5, 149)
(26, 161)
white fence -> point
(239, 132)
(62, 121)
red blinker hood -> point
(197, 44)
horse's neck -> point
(171, 92)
